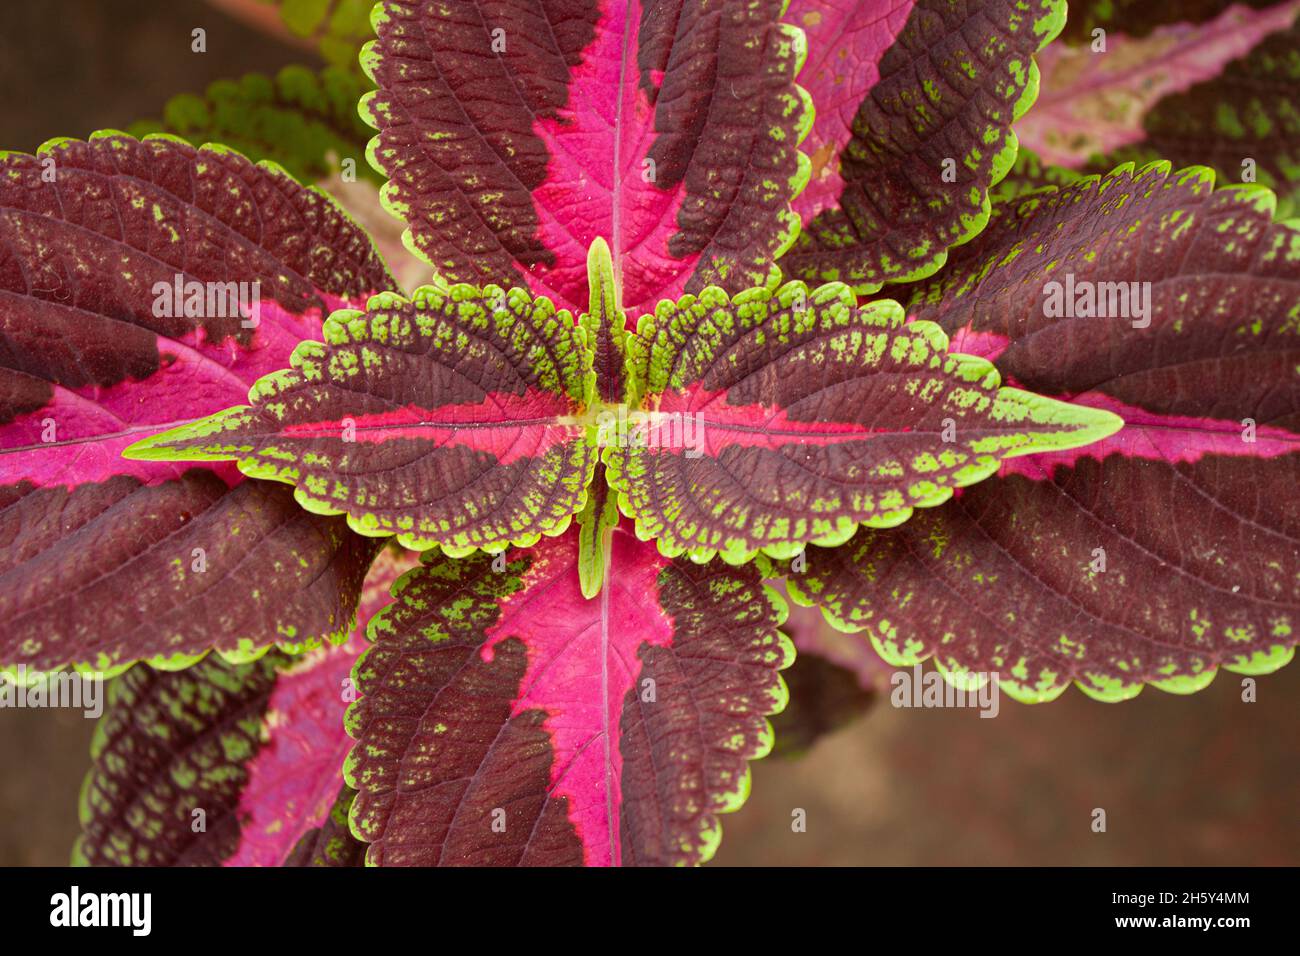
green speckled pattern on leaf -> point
(166, 747)
(928, 142)
(451, 420)
(802, 415)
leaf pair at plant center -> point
(468, 419)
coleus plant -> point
(732, 304)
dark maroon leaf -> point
(903, 173)
(171, 756)
(106, 573)
(506, 719)
(515, 134)
(231, 764)
(96, 350)
(1157, 555)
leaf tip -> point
(147, 449)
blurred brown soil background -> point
(1184, 781)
